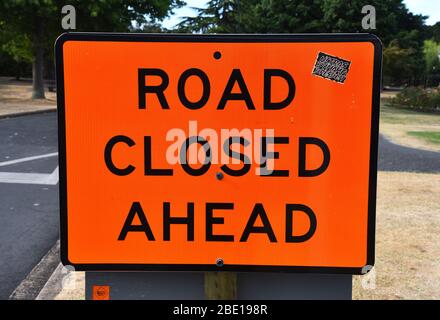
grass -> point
(16, 97)
(431, 136)
(407, 239)
(396, 123)
(390, 114)
(12, 91)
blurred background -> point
(28, 28)
(408, 206)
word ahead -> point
(218, 152)
(258, 212)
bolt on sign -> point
(220, 152)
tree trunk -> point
(37, 74)
(18, 71)
(38, 64)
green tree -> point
(401, 32)
(393, 22)
(432, 59)
(255, 16)
(397, 64)
(392, 17)
(433, 32)
(39, 23)
(16, 48)
(219, 16)
(278, 16)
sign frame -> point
(226, 38)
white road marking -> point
(30, 178)
(42, 156)
(53, 177)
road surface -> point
(29, 211)
(393, 157)
(29, 222)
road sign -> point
(222, 152)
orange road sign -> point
(221, 152)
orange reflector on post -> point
(101, 293)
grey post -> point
(191, 285)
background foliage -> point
(411, 48)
